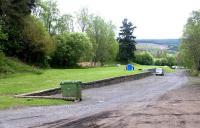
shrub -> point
(163, 62)
(144, 58)
(70, 48)
(157, 63)
(171, 61)
(168, 61)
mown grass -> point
(50, 78)
(9, 102)
(166, 68)
(22, 83)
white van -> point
(159, 71)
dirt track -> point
(135, 104)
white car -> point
(159, 71)
(174, 67)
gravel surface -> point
(138, 93)
(178, 108)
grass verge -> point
(11, 66)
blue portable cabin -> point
(129, 67)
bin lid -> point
(70, 82)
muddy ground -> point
(178, 108)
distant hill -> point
(168, 42)
(148, 44)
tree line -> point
(189, 55)
(35, 32)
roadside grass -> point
(50, 78)
(166, 68)
(12, 103)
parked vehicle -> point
(159, 71)
(174, 67)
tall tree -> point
(65, 24)
(48, 13)
(126, 41)
(38, 44)
(190, 45)
(83, 19)
(102, 37)
(12, 13)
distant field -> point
(23, 83)
(168, 42)
(171, 45)
(151, 46)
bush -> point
(70, 48)
(168, 61)
(3, 36)
(163, 62)
(157, 63)
(144, 58)
(171, 61)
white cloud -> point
(153, 18)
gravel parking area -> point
(178, 108)
(106, 100)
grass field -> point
(23, 83)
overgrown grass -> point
(10, 66)
(50, 78)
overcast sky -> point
(153, 18)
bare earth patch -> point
(178, 108)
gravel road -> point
(139, 93)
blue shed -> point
(129, 67)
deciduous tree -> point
(65, 24)
(71, 47)
(190, 46)
(102, 37)
(83, 19)
(38, 44)
(48, 12)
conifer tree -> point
(126, 42)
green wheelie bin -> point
(71, 89)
